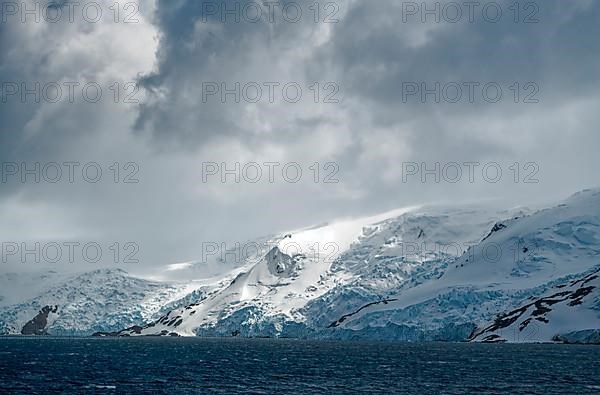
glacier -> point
(428, 273)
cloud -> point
(370, 127)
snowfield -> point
(90, 302)
(452, 273)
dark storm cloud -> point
(369, 53)
(374, 54)
(199, 44)
(562, 41)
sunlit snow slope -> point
(310, 278)
(452, 273)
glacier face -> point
(102, 300)
(416, 274)
(523, 258)
(311, 278)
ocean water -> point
(238, 366)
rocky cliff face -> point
(37, 326)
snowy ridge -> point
(421, 273)
(311, 277)
(103, 300)
(538, 252)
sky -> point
(135, 134)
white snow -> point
(411, 274)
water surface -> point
(238, 366)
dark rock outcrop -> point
(591, 336)
(37, 326)
(124, 333)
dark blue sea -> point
(236, 366)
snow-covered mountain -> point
(522, 260)
(103, 300)
(559, 315)
(310, 278)
(421, 273)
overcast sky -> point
(348, 88)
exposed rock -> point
(497, 227)
(591, 336)
(539, 310)
(37, 326)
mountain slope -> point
(566, 309)
(311, 277)
(422, 273)
(522, 258)
(103, 300)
